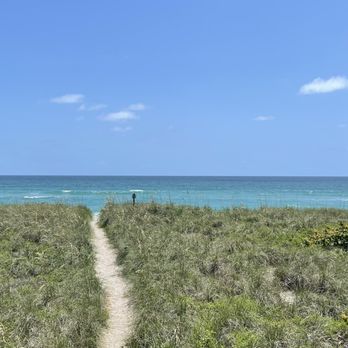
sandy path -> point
(115, 289)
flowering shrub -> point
(330, 236)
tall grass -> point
(49, 295)
(232, 278)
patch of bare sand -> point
(115, 289)
(288, 297)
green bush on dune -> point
(233, 278)
(49, 294)
(330, 236)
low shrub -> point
(330, 236)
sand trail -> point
(115, 290)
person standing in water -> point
(134, 196)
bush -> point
(330, 236)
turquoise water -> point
(217, 192)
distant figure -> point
(134, 196)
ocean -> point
(216, 192)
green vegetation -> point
(49, 294)
(331, 236)
(232, 278)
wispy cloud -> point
(319, 85)
(122, 129)
(264, 118)
(136, 107)
(119, 116)
(94, 107)
(127, 114)
(68, 99)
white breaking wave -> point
(35, 197)
(136, 190)
(66, 191)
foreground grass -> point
(49, 295)
(235, 278)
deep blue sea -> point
(217, 192)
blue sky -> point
(181, 87)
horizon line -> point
(172, 176)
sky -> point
(184, 87)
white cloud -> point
(122, 129)
(68, 99)
(137, 107)
(319, 85)
(125, 115)
(119, 116)
(264, 118)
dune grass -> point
(232, 278)
(49, 294)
